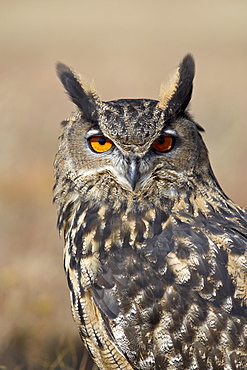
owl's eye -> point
(100, 144)
(163, 143)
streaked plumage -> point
(155, 252)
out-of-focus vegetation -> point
(128, 47)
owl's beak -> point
(133, 174)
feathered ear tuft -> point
(175, 96)
(85, 98)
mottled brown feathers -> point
(155, 253)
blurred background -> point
(128, 47)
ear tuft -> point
(175, 96)
(85, 98)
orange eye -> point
(163, 143)
(100, 144)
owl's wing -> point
(210, 256)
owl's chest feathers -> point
(99, 229)
(94, 229)
(119, 220)
(102, 226)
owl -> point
(155, 252)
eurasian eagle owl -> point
(155, 252)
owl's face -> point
(134, 143)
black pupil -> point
(101, 140)
(161, 140)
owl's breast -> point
(98, 231)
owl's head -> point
(134, 142)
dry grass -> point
(128, 48)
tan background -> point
(128, 48)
